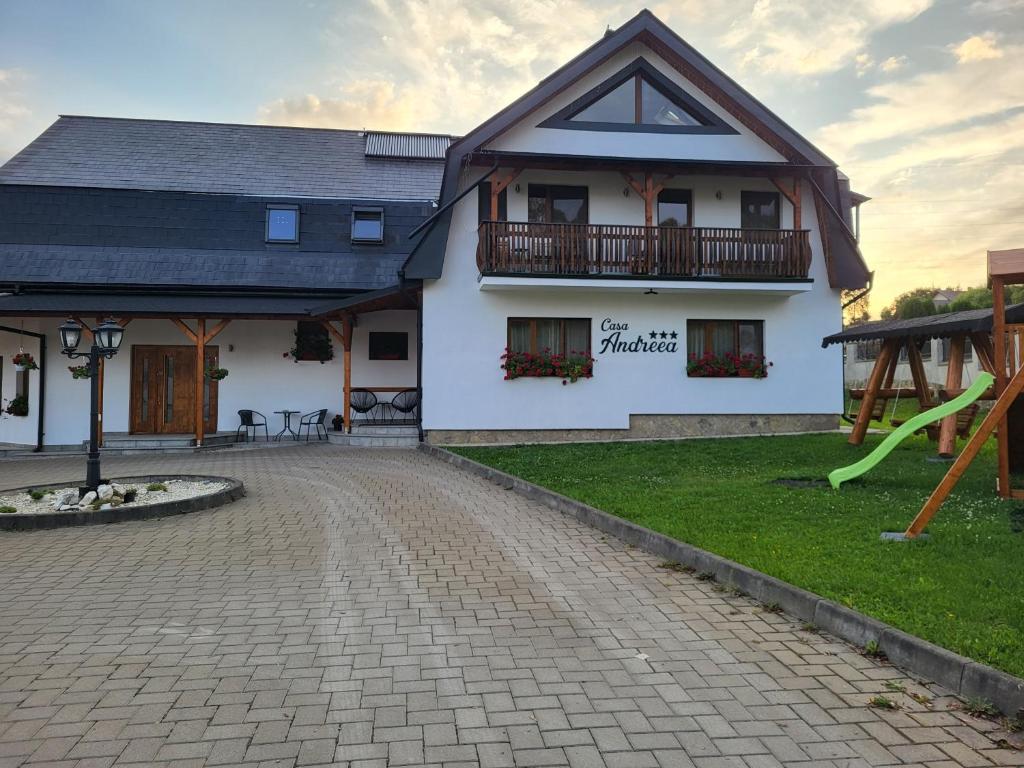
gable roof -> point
(170, 155)
(846, 266)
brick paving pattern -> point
(380, 608)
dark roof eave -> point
(929, 327)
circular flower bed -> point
(130, 498)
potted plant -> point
(310, 347)
(23, 361)
(18, 406)
(80, 371)
(338, 422)
(213, 373)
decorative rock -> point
(66, 507)
(105, 492)
(142, 492)
(105, 506)
(118, 488)
(64, 498)
(88, 499)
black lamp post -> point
(106, 338)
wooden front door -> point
(163, 388)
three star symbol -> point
(664, 335)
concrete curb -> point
(34, 522)
(920, 658)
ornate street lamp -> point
(106, 339)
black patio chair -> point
(362, 401)
(405, 402)
(249, 421)
(314, 419)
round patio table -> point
(287, 417)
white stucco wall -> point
(252, 350)
(465, 332)
(857, 372)
(608, 205)
(527, 137)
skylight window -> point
(367, 225)
(282, 224)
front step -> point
(377, 436)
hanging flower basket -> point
(569, 368)
(216, 374)
(80, 371)
(23, 361)
(18, 406)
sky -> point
(920, 102)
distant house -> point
(637, 208)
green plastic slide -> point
(839, 476)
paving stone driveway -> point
(381, 608)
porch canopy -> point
(330, 310)
(897, 335)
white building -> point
(637, 207)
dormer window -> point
(367, 225)
(638, 99)
(282, 224)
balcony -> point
(626, 252)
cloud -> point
(994, 7)
(863, 62)
(13, 110)
(893, 63)
(362, 104)
(442, 65)
(798, 38)
(940, 153)
(977, 48)
(902, 110)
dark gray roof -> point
(155, 305)
(422, 146)
(96, 266)
(930, 327)
(218, 158)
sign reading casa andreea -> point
(619, 339)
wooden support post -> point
(954, 380)
(346, 325)
(793, 194)
(999, 350)
(200, 378)
(917, 373)
(867, 405)
(995, 416)
(982, 344)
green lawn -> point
(963, 589)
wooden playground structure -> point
(1006, 417)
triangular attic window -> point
(639, 99)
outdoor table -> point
(287, 416)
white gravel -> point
(176, 491)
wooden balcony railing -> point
(613, 250)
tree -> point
(856, 312)
(919, 302)
(981, 298)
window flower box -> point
(729, 365)
(23, 361)
(569, 368)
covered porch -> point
(189, 364)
